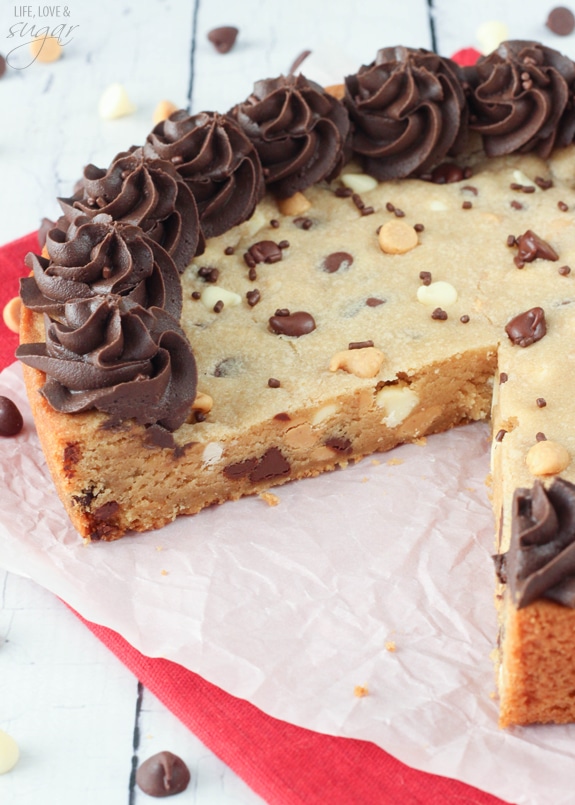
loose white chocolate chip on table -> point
(547, 458)
(214, 294)
(294, 205)
(491, 34)
(11, 314)
(397, 237)
(364, 362)
(358, 182)
(45, 49)
(163, 110)
(437, 293)
(9, 752)
(114, 102)
(398, 402)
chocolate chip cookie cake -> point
(317, 275)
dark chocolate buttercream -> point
(409, 111)
(218, 163)
(144, 192)
(521, 99)
(540, 562)
(100, 256)
(300, 132)
(111, 354)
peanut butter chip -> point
(397, 237)
(359, 362)
(11, 314)
(547, 458)
(46, 49)
(294, 205)
(163, 110)
(336, 91)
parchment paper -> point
(293, 606)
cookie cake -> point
(320, 274)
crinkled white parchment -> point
(292, 606)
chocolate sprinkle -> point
(541, 402)
(274, 383)
(540, 437)
(229, 250)
(464, 319)
(253, 297)
(467, 205)
(503, 377)
(447, 173)
(343, 192)
(425, 277)
(419, 227)
(544, 184)
(439, 314)
(360, 344)
(562, 206)
(500, 435)
(373, 301)
(564, 271)
(517, 205)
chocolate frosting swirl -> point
(143, 192)
(100, 256)
(521, 99)
(540, 562)
(113, 355)
(299, 131)
(218, 163)
(409, 111)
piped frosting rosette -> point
(100, 256)
(144, 192)
(218, 163)
(521, 99)
(111, 354)
(409, 111)
(300, 132)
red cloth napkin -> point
(284, 764)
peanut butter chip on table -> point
(11, 314)
(46, 49)
(397, 237)
(547, 458)
(163, 110)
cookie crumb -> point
(269, 498)
(390, 646)
(360, 691)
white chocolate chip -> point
(438, 206)
(521, 178)
(547, 458)
(294, 205)
(163, 110)
(397, 237)
(114, 102)
(212, 454)
(358, 182)
(437, 294)
(324, 413)
(9, 752)
(398, 403)
(364, 362)
(491, 34)
(212, 294)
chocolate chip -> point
(295, 324)
(283, 416)
(531, 246)
(272, 464)
(447, 173)
(298, 61)
(527, 328)
(106, 511)
(265, 251)
(223, 38)
(333, 262)
(162, 775)
(360, 344)
(439, 314)
(11, 422)
(339, 444)
(240, 469)
(274, 383)
(561, 21)
(373, 301)
(253, 297)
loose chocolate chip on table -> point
(163, 775)
(11, 421)
(561, 21)
(223, 38)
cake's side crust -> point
(123, 482)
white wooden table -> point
(70, 704)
